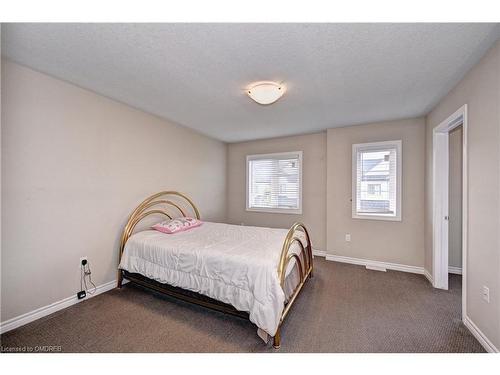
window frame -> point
(277, 155)
(378, 146)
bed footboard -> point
(304, 261)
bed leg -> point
(277, 340)
(120, 280)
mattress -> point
(230, 263)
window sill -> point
(376, 217)
(276, 211)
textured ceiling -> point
(195, 74)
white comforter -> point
(230, 263)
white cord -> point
(86, 272)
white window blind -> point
(274, 182)
(377, 180)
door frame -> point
(440, 194)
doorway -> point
(441, 201)
(455, 203)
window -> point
(374, 189)
(274, 182)
(376, 180)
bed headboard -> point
(165, 203)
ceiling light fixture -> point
(266, 92)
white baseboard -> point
(31, 316)
(429, 276)
(480, 336)
(376, 264)
(319, 253)
(455, 270)
(375, 268)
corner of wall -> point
(226, 183)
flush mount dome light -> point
(266, 92)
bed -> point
(251, 272)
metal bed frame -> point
(157, 204)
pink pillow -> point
(177, 225)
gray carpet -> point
(344, 308)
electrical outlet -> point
(80, 262)
(81, 294)
(486, 293)
(348, 237)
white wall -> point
(74, 165)
(1, 182)
(386, 241)
(327, 207)
(314, 184)
(480, 90)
